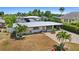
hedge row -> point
(71, 28)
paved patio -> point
(75, 37)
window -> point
(72, 19)
(66, 20)
(49, 27)
(69, 20)
(26, 19)
(35, 28)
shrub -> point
(5, 31)
(19, 30)
(71, 28)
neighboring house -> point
(72, 17)
(35, 25)
(2, 22)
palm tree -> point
(61, 9)
(63, 37)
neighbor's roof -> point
(71, 15)
(1, 20)
(37, 24)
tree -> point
(35, 12)
(23, 14)
(42, 13)
(19, 14)
(61, 9)
(10, 19)
(63, 36)
(1, 13)
(29, 13)
(19, 29)
(44, 18)
(39, 13)
(47, 14)
(13, 18)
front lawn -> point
(34, 42)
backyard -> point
(35, 42)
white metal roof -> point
(37, 24)
(37, 17)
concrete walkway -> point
(52, 36)
(75, 37)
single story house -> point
(72, 17)
(2, 22)
(35, 25)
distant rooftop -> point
(71, 15)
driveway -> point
(75, 37)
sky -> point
(13, 10)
